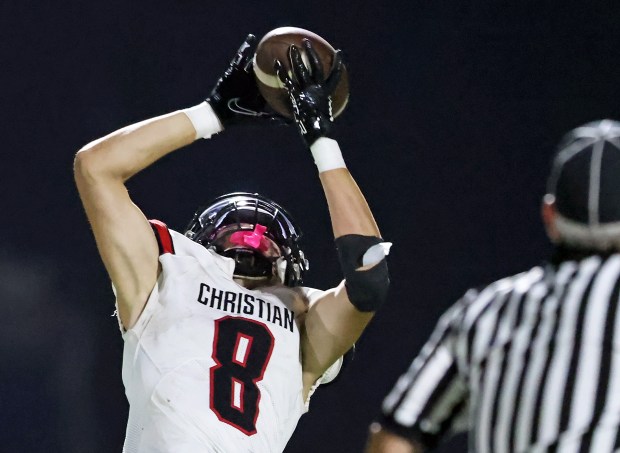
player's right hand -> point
(235, 97)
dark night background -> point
(455, 109)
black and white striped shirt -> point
(529, 364)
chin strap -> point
(281, 266)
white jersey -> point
(210, 366)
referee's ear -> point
(549, 214)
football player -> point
(223, 346)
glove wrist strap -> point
(205, 121)
(327, 155)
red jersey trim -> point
(162, 234)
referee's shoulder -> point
(521, 281)
(485, 294)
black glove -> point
(310, 92)
(235, 97)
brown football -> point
(274, 45)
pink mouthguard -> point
(255, 239)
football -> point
(274, 45)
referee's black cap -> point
(585, 175)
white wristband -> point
(205, 121)
(327, 155)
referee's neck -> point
(563, 252)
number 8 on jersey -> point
(241, 349)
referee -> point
(531, 363)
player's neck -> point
(257, 283)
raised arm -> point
(124, 237)
(335, 321)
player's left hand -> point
(235, 97)
(309, 91)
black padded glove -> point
(309, 92)
(235, 97)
